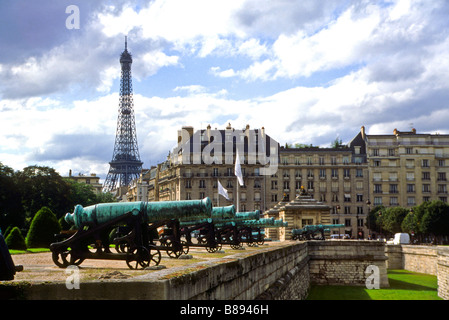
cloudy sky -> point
(308, 71)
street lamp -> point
(368, 203)
(338, 215)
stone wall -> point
(343, 262)
(432, 260)
(443, 272)
(420, 258)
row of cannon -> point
(139, 231)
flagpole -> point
(237, 209)
(218, 194)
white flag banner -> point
(237, 169)
(222, 191)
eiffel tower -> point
(125, 165)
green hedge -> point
(43, 228)
(15, 239)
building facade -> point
(90, 179)
(407, 168)
(337, 177)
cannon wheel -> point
(140, 258)
(214, 249)
(174, 254)
(122, 247)
(63, 259)
(237, 246)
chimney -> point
(70, 172)
(208, 132)
(184, 134)
(362, 131)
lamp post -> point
(368, 203)
(338, 215)
(380, 215)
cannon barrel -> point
(250, 215)
(152, 211)
(223, 212)
(217, 220)
(316, 227)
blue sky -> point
(308, 71)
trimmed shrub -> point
(43, 228)
(15, 240)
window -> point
(274, 185)
(425, 163)
(274, 198)
(359, 173)
(215, 172)
(286, 186)
(359, 197)
(347, 222)
(346, 173)
(347, 197)
(376, 152)
(309, 173)
(306, 222)
(377, 188)
(310, 185)
(202, 185)
(442, 188)
(411, 201)
(322, 173)
(410, 188)
(321, 161)
(409, 163)
(441, 176)
(377, 163)
(347, 210)
(393, 201)
(426, 175)
(441, 163)
(391, 152)
(377, 201)
(334, 173)
(188, 184)
(426, 188)
(393, 188)
(408, 150)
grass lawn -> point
(404, 285)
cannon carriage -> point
(131, 227)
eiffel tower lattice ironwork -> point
(125, 165)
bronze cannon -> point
(132, 226)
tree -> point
(43, 229)
(80, 193)
(337, 143)
(11, 209)
(435, 220)
(392, 219)
(374, 219)
(43, 187)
